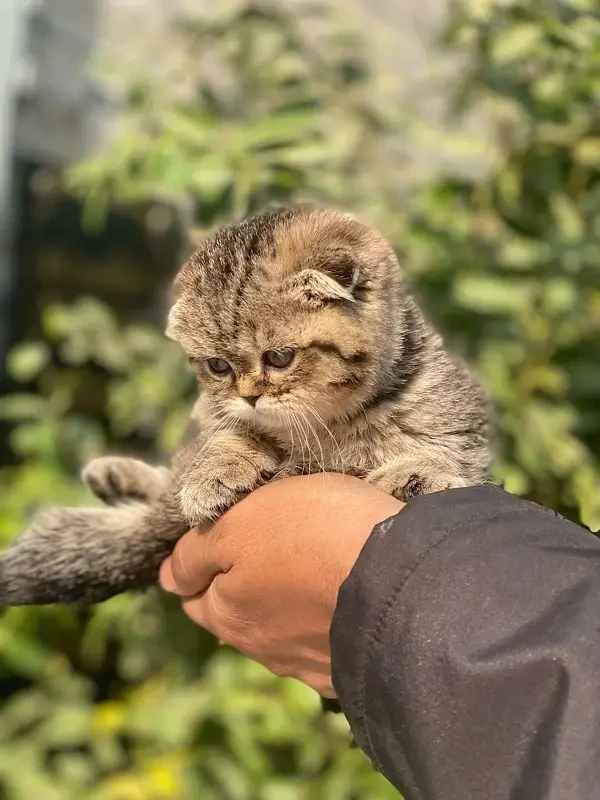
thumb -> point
(197, 559)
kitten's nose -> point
(251, 399)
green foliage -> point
(256, 108)
(130, 701)
(517, 251)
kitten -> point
(310, 355)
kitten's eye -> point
(219, 366)
(280, 358)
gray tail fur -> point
(86, 555)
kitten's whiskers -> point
(291, 432)
(322, 422)
(299, 431)
(321, 462)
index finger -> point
(197, 559)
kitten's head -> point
(288, 314)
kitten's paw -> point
(406, 482)
(207, 492)
(116, 479)
(427, 484)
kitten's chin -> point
(264, 413)
(270, 415)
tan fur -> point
(371, 392)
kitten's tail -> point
(86, 555)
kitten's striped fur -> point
(371, 392)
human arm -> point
(464, 645)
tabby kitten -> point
(310, 355)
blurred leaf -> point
(568, 218)
(21, 407)
(516, 42)
(25, 361)
(588, 151)
(488, 294)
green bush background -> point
(129, 701)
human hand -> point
(265, 578)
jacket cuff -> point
(396, 549)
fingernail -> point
(165, 577)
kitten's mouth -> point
(266, 410)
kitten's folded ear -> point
(171, 331)
(315, 288)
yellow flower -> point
(108, 718)
(165, 776)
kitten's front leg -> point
(405, 479)
(228, 468)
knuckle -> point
(230, 623)
(182, 564)
(243, 635)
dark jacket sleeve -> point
(466, 650)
